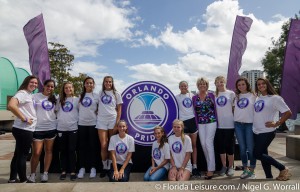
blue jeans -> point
(261, 144)
(158, 175)
(244, 135)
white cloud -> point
(82, 26)
(206, 52)
(121, 61)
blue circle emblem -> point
(177, 147)
(67, 107)
(243, 103)
(156, 154)
(121, 148)
(47, 105)
(221, 101)
(259, 105)
(86, 102)
(148, 104)
(187, 102)
(106, 99)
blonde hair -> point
(202, 79)
(219, 78)
(177, 121)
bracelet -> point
(26, 120)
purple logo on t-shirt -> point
(148, 104)
(177, 147)
(106, 99)
(86, 101)
(67, 107)
(187, 102)
(156, 154)
(259, 105)
(243, 103)
(221, 101)
(121, 148)
(47, 105)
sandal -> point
(284, 175)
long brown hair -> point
(164, 138)
(62, 96)
(248, 86)
(112, 85)
(51, 97)
(83, 88)
(270, 88)
(26, 81)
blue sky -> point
(159, 40)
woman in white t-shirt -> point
(67, 126)
(225, 131)
(186, 114)
(121, 147)
(87, 134)
(22, 106)
(160, 157)
(109, 113)
(243, 123)
(181, 149)
(266, 109)
(45, 131)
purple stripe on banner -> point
(290, 85)
(35, 35)
(238, 47)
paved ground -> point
(218, 183)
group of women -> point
(218, 116)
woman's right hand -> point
(116, 175)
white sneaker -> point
(93, 173)
(223, 171)
(81, 173)
(31, 177)
(245, 174)
(251, 175)
(44, 177)
(230, 172)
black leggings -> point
(18, 163)
(67, 145)
(88, 144)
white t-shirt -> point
(107, 104)
(121, 146)
(179, 150)
(266, 108)
(224, 103)
(26, 106)
(67, 116)
(46, 117)
(244, 108)
(87, 109)
(160, 154)
(185, 105)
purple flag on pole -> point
(35, 35)
(290, 85)
(238, 47)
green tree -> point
(274, 57)
(61, 63)
(77, 82)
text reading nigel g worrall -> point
(228, 187)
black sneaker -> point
(13, 181)
(196, 173)
(73, 177)
(103, 173)
(63, 176)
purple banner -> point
(238, 47)
(290, 85)
(35, 35)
